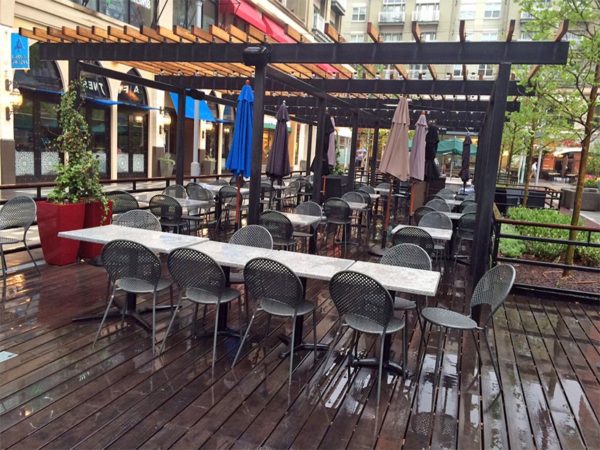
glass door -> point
(132, 142)
(98, 120)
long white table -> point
(215, 188)
(188, 203)
(452, 215)
(302, 220)
(232, 255)
(436, 233)
(157, 241)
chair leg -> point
(154, 323)
(4, 266)
(405, 344)
(332, 345)
(379, 375)
(31, 256)
(292, 348)
(215, 335)
(243, 340)
(162, 347)
(110, 301)
(315, 334)
(496, 369)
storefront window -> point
(97, 112)
(135, 12)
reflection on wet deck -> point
(60, 392)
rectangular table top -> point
(157, 241)
(215, 188)
(454, 202)
(436, 233)
(232, 255)
(400, 279)
(302, 220)
(184, 202)
(453, 215)
(356, 206)
(316, 267)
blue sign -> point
(19, 51)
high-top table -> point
(157, 241)
(436, 233)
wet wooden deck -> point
(59, 392)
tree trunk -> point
(511, 148)
(528, 164)
(585, 149)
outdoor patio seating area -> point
(59, 391)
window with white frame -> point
(526, 36)
(357, 37)
(492, 10)
(359, 14)
(486, 70)
(391, 37)
(467, 10)
(428, 36)
(489, 36)
(391, 13)
(457, 70)
(418, 69)
(426, 12)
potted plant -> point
(166, 164)
(77, 200)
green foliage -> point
(167, 158)
(593, 163)
(592, 182)
(79, 178)
(511, 248)
(546, 251)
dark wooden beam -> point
(309, 147)
(318, 169)
(257, 142)
(353, 146)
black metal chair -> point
(446, 193)
(338, 213)
(367, 189)
(469, 208)
(134, 269)
(364, 306)
(250, 236)
(466, 203)
(18, 212)
(419, 213)
(437, 219)
(201, 281)
(175, 191)
(290, 195)
(492, 289)
(438, 204)
(200, 216)
(138, 218)
(414, 235)
(228, 200)
(169, 212)
(465, 231)
(122, 201)
(309, 208)
(359, 215)
(278, 292)
(280, 227)
(266, 195)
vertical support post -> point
(374, 152)
(353, 145)
(73, 70)
(309, 148)
(486, 180)
(258, 116)
(180, 138)
(318, 172)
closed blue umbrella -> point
(239, 159)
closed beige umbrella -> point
(417, 155)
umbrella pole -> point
(238, 202)
(386, 222)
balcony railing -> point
(319, 23)
(426, 16)
(392, 16)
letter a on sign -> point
(19, 51)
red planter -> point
(94, 213)
(53, 218)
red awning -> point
(276, 31)
(244, 11)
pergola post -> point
(73, 71)
(257, 136)
(180, 138)
(353, 145)
(309, 148)
(374, 154)
(486, 179)
(318, 167)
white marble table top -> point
(215, 188)
(232, 255)
(184, 202)
(316, 267)
(451, 202)
(436, 233)
(400, 279)
(157, 241)
(302, 220)
(374, 196)
(452, 215)
(356, 206)
(382, 190)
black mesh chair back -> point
(438, 204)
(253, 236)
(197, 192)
(367, 189)
(470, 208)
(266, 187)
(138, 218)
(166, 208)
(466, 226)
(383, 187)
(175, 191)
(357, 294)
(122, 201)
(414, 235)
(471, 196)
(465, 203)
(269, 279)
(407, 255)
(128, 260)
(493, 288)
(293, 188)
(228, 195)
(221, 182)
(278, 225)
(445, 194)
(233, 182)
(420, 212)
(193, 269)
(18, 212)
(337, 211)
(436, 219)
(366, 197)
(309, 208)
(354, 197)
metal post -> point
(73, 70)
(374, 155)
(309, 149)
(180, 138)
(353, 145)
(486, 186)
(318, 172)
(257, 136)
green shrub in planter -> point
(511, 248)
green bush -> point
(511, 248)
(547, 251)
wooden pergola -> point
(312, 77)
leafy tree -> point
(571, 89)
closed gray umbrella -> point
(278, 163)
(417, 155)
(464, 173)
